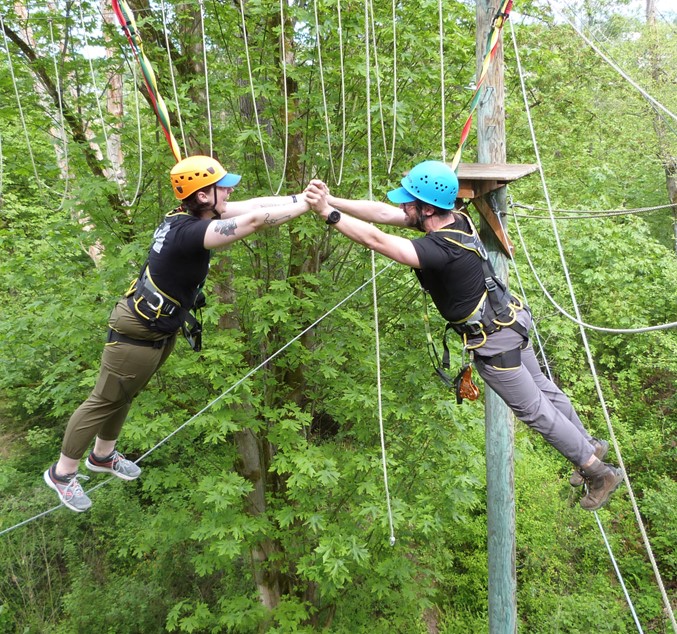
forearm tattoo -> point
(273, 221)
(225, 227)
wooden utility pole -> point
(498, 418)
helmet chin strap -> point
(217, 215)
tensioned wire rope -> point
(62, 121)
(20, 108)
(377, 338)
(204, 62)
(613, 64)
(218, 398)
(584, 338)
(171, 74)
(541, 352)
(585, 213)
(102, 121)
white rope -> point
(171, 74)
(283, 53)
(116, 168)
(584, 338)
(442, 89)
(541, 349)
(204, 61)
(253, 94)
(324, 90)
(343, 93)
(392, 153)
(139, 139)
(217, 399)
(62, 120)
(18, 102)
(377, 73)
(613, 65)
(374, 290)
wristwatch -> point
(333, 217)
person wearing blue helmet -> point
(161, 302)
(451, 264)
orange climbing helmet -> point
(196, 172)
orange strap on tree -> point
(126, 19)
(492, 43)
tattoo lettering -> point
(273, 221)
(225, 227)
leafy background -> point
(267, 512)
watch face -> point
(333, 217)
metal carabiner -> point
(161, 301)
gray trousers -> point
(125, 370)
(532, 397)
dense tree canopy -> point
(267, 510)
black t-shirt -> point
(450, 273)
(178, 262)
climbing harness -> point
(114, 337)
(152, 304)
(497, 307)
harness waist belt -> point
(114, 335)
(508, 359)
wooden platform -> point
(477, 179)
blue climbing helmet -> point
(432, 182)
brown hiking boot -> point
(602, 480)
(601, 450)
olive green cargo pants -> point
(125, 370)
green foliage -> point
(208, 533)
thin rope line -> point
(137, 109)
(204, 61)
(253, 94)
(18, 102)
(582, 213)
(343, 93)
(218, 398)
(115, 167)
(171, 74)
(283, 46)
(442, 89)
(377, 73)
(599, 524)
(584, 338)
(392, 153)
(618, 573)
(374, 290)
(324, 90)
(62, 122)
(613, 65)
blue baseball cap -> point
(229, 180)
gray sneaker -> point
(68, 489)
(576, 479)
(116, 464)
(602, 480)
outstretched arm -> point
(239, 207)
(368, 210)
(394, 247)
(221, 233)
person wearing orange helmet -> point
(144, 324)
